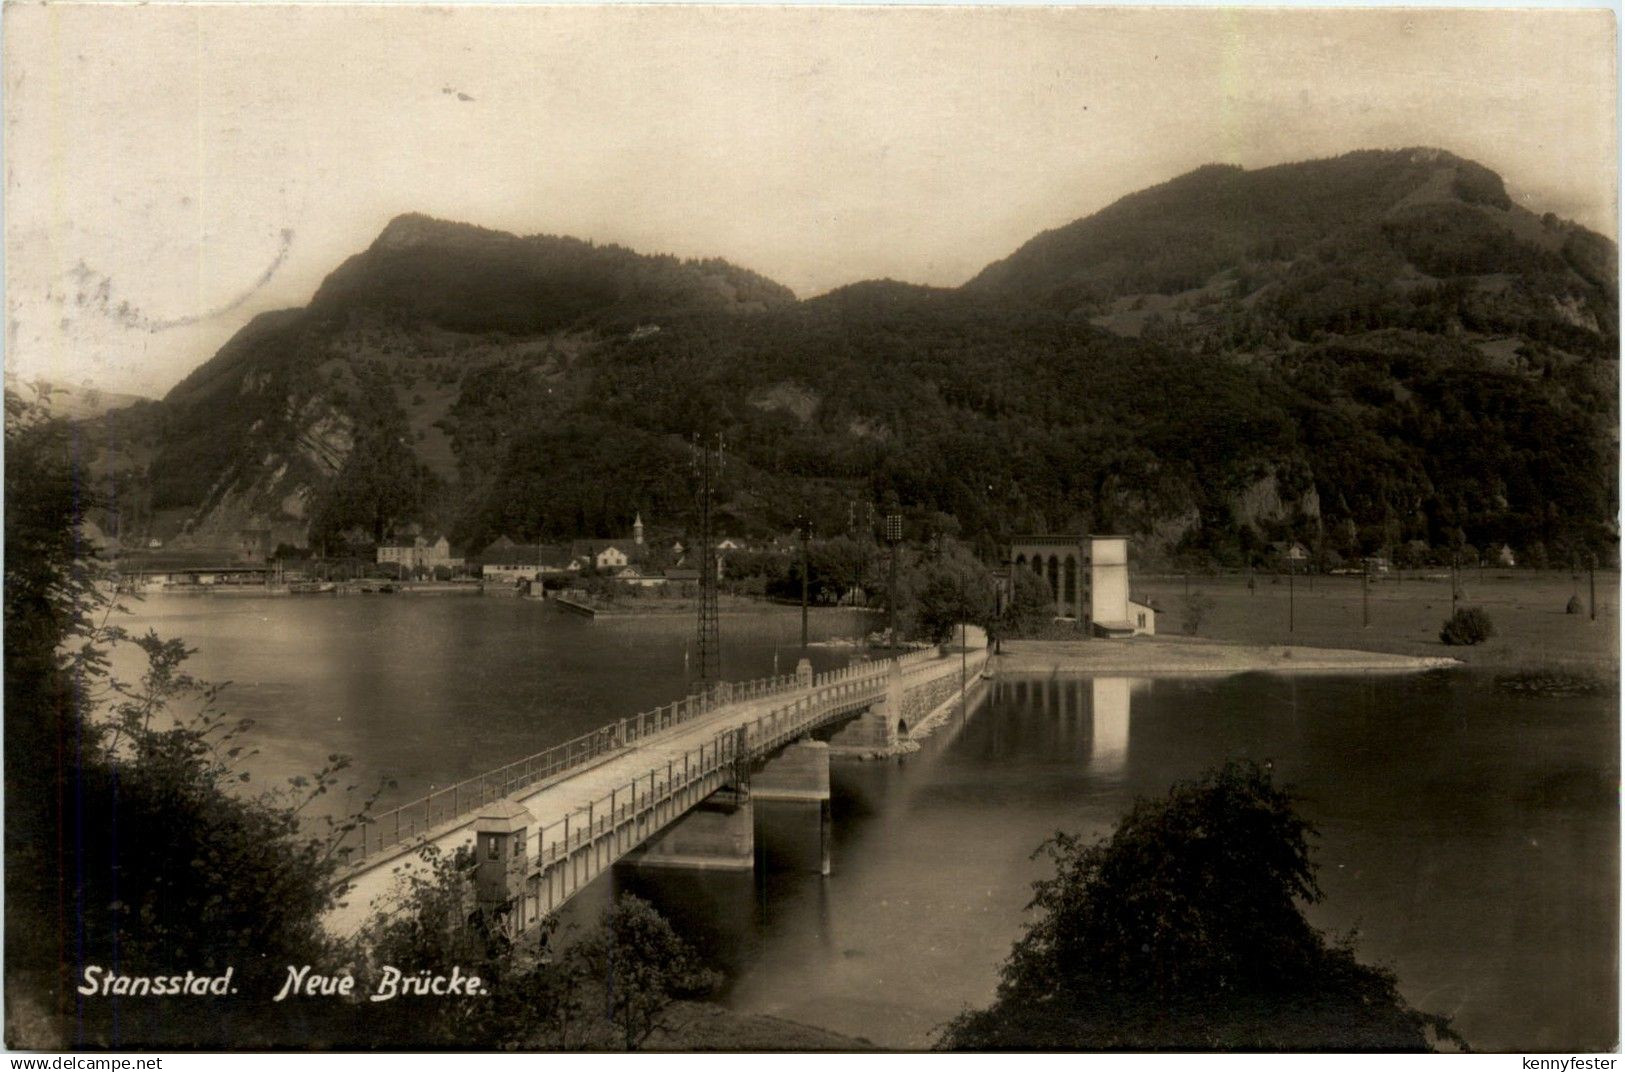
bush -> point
(1574, 606)
(1469, 625)
(1185, 930)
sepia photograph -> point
(617, 528)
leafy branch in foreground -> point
(129, 812)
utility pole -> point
(1365, 599)
(964, 612)
(962, 657)
(1591, 573)
(1291, 596)
(894, 536)
(804, 523)
(708, 649)
(1454, 587)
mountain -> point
(468, 279)
(1353, 242)
(1371, 351)
(256, 436)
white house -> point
(635, 576)
(506, 562)
(420, 552)
(1143, 616)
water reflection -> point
(1111, 697)
(1084, 718)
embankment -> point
(1189, 655)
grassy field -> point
(1526, 607)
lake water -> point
(428, 690)
(1470, 837)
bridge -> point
(670, 787)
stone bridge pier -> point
(882, 726)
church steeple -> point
(637, 530)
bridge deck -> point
(591, 816)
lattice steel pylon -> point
(708, 663)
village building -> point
(605, 555)
(1293, 552)
(506, 562)
(682, 575)
(420, 553)
(632, 575)
(191, 568)
(1088, 579)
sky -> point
(173, 170)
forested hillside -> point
(1369, 352)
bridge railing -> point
(722, 750)
(713, 761)
(403, 824)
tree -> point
(1194, 609)
(1184, 930)
(127, 805)
(51, 588)
(1468, 626)
(636, 967)
(941, 592)
(839, 565)
(380, 484)
(434, 924)
(1031, 606)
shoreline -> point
(1170, 656)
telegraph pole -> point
(964, 612)
(894, 536)
(1591, 573)
(1365, 598)
(805, 524)
(1291, 596)
(708, 648)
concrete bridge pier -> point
(718, 834)
(791, 797)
